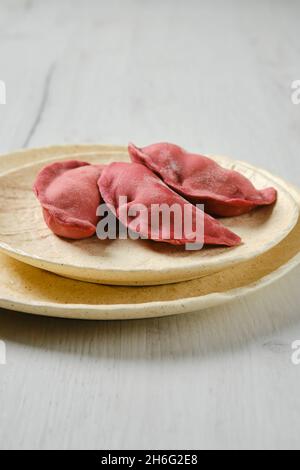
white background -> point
(213, 76)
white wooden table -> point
(213, 76)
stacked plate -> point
(121, 279)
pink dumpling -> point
(69, 196)
(224, 193)
(142, 187)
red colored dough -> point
(199, 179)
(69, 195)
(141, 186)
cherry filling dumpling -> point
(132, 190)
(201, 180)
(69, 196)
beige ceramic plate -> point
(31, 290)
(25, 236)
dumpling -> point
(199, 179)
(69, 195)
(126, 186)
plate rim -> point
(218, 297)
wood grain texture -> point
(213, 76)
